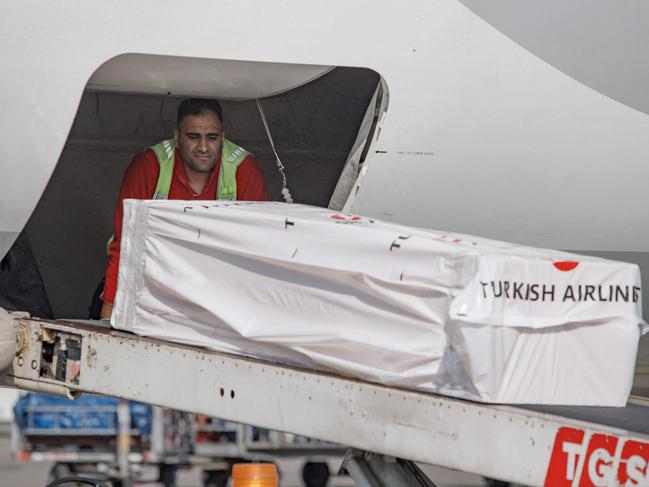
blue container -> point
(42, 414)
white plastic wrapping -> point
(407, 307)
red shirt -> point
(140, 180)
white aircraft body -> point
(515, 120)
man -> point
(198, 163)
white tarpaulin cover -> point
(445, 313)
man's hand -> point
(106, 311)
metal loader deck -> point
(552, 446)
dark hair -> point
(196, 106)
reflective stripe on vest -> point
(231, 157)
(164, 151)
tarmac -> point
(35, 474)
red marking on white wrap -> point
(590, 460)
(347, 218)
(565, 265)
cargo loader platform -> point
(385, 428)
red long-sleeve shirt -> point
(140, 180)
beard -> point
(200, 161)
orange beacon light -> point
(254, 475)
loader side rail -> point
(527, 446)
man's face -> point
(199, 139)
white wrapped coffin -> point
(432, 311)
